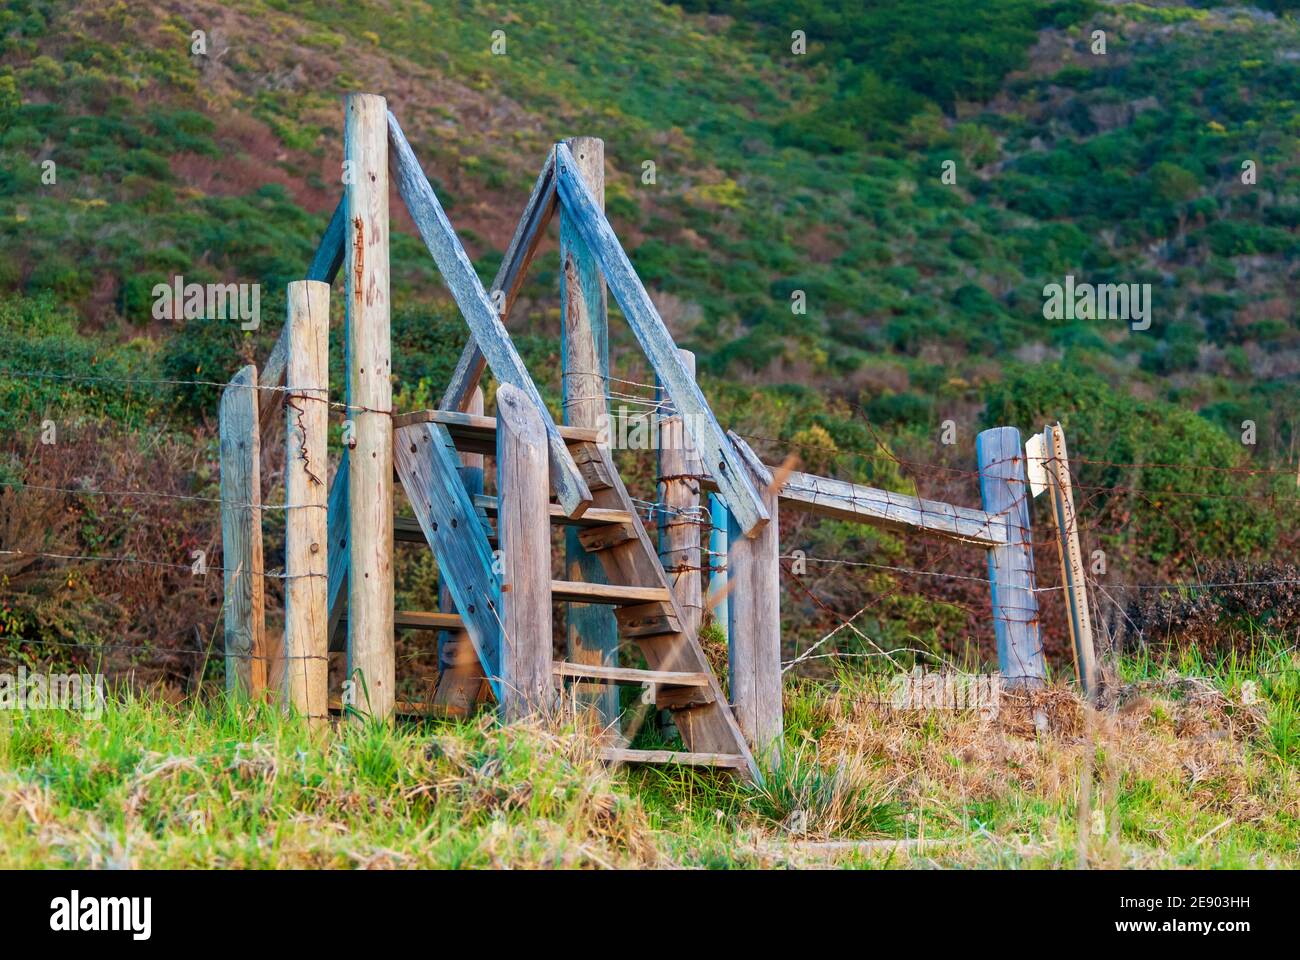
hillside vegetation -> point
(778, 177)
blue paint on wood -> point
(718, 525)
(1004, 490)
(720, 459)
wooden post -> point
(717, 600)
(679, 514)
(306, 601)
(1073, 575)
(524, 531)
(241, 537)
(371, 664)
(591, 630)
(1003, 490)
(754, 633)
(460, 675)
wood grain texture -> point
(716, 599)
(476, 306)
(241, 537)
(306, 566)
(680, 519)
(339, 554)
(754, 633)
(719, 456)
(524, 530)
(1074, 576)
(591, 632)
(628, 675)
(371, 656)
(324, 266)
(510, 276)
(1004, 490)
(430, 472)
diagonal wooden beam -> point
(476, 306)
(324, 266)
(719, 455)
(510, 277)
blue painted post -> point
(716, 601)
(592, 631)
(1003, 490)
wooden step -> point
(627, 755)
(423, 620)
(575, 591)
(629, 675)
(594, 517)
(647, 620)
(475, 433)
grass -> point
(1183, 769)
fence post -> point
(241, 537)
(754, 605)
(306, 465)
(592, 631)
(679, 501)
(460, 677)
(524, 532)
(1003, 490)
(371, 657)
(1073, 573)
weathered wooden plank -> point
(1074, 576)
(371, 656)
(715, 449)
(476, 306)
(1003, 490)
(460, 675)
(430, 474)
(680, 519)
(424, 620)
(717, 598)
(754, 634)
(241, 537)
(627, 755)
(608, 593)
(525, 535)
(476, 433)
(591, 632)
(505, 286)
(324, 266)
(628, 675)
(306, 595)
(594, 517)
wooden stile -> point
(524, 529)
(247, 656)
(371, 657)
(306, 594)
(1004, 490)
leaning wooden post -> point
(371, 664)
(1073, 575)
(241, 537)
(1003, 490)
(716, 600)
(754, 607)
(680, 470)
(524, 532)
(306, 587)
(592, 632)
(460, 674)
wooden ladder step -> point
(423, 620)
(627, 755)
(629, 675)
(576, 591)
(475, 433)
(594, 517)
